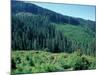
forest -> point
(44, 32)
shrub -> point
(93, 65)
(19, 70)
(13, 64)
(91, 60)
(52, 67)
(77, 62)
(13, 72)
(32, 62)
(62, 60)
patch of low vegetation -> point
(39, 61)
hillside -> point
(34, 28)
(81, 37)
(19, 6)
(46, 41)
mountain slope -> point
(80, 37)
(36, 28)
(19, 6)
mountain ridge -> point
(19, 6)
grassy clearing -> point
(39, 62)
(79, 32)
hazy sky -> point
(81, 11)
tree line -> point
(37, 32)
(34, 32)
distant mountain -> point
(19, 6)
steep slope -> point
(81, 38)
(19, 6)
(36, 28)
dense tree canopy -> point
(35, 28)
(36, 32)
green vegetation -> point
(68, 31)
(34, 32)
(46, 41)
(39, 61)
(81, 37)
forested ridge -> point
(20, 6)
(46, 41)
(36, 28)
